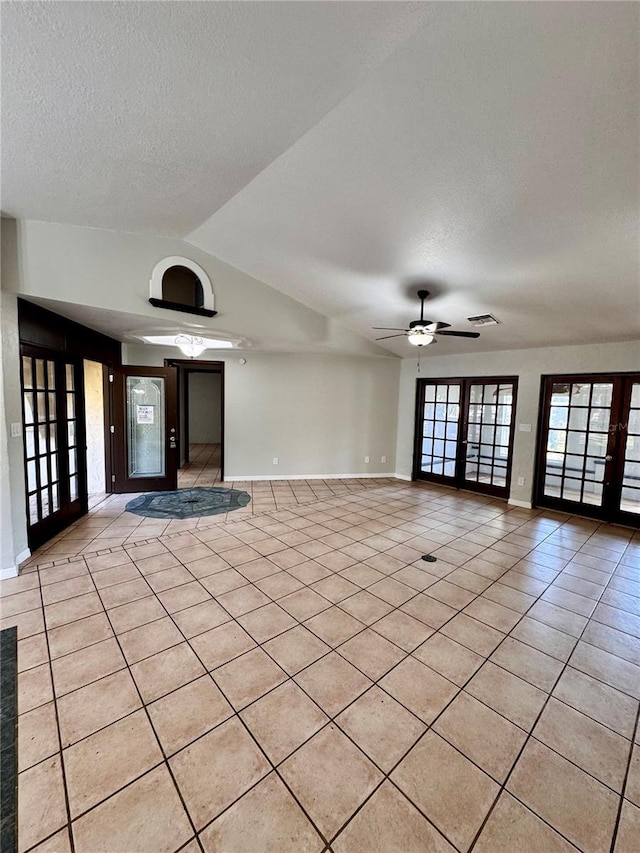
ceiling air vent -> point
(483, 320)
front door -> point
(464, 432)
(144, 429)
(589, 452)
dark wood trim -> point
(179, 306)
(458, 480)
(609, 510)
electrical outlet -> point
(366, 459)
(383, 458)
(16, 430)
(521, 481)
(275, 460)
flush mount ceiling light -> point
(203, 342)
(190, 345)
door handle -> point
(608, 458)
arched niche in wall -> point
(181, 284)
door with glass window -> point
(464, 432)
(54, 442)
(589, 446)
(144, 429)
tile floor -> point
(298, 679)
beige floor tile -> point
(596, 749)
(304, 603)
(460, 800)
(62, 590)
(335, 588)
(37, 736)
(160, 674)
(149, 639)
(388, 822)
(492, 614)
(618, 673)
(433, 613)
(20, 602)
(187, 713)
(528, 663)
(475, 635)
(243, 600)
(266, 622)
(513, 827)
(217, 769)
(41, 803)
(371, 653)
(449, 658)
(58, 843)
(27, 624)
(267, 819)
(488, 739)
(96, 705)
(181, 597)
(169, 578)
(332, 682)
(278, 585)
(128, 616)
(248, 677)
(74, 608)
(86, 665)
(123, 593)
(632, 790)
(330, 777)
(295, 649)
(628, 829)
(544, 638)
(574, 803)
(361, 575)
(118, 574)
(78, 635)
(403, 630)
(515, 699)
(392, 591)
(223, 582)
(381, 727)
(32, 651)
(334, 626)
(201, 617)
(222, 644)
(419, 688)
(149, 810)
(108, 760)
(282, 720)
(365, 607)
(597, 700)
(558, 617)
(208, 565)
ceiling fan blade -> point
(459, 334)
(386, 337)
(435, 327)
(388, 329)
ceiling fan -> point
(422, 332)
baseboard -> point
(23, 556)
(403, 477)
(232, 478)
(521, 504)
(9, 572)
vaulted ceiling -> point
(347, 153)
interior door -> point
(145, 429)
(589, 451)
(464, 432)
(55, 462)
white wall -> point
(205, 408)
(94, 412)
(320, 415)
(529, 366)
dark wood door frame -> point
(185, 368)
(458, 480)
(609, 510)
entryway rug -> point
(188, 503)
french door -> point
(464, 432)
(589, 447)
(144, 428)
(54, 442)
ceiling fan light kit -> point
(422, 332)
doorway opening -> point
(201, 422)
(94, 411)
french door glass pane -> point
(441, 414)
(145, 426)
(488, 433)
(630, 497)
(577, 441)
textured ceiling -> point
(345, 153)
